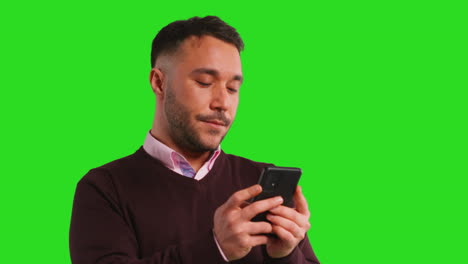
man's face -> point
(202, 93)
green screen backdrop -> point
(367, 97)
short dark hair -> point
(171, 36)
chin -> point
(212, 142)
(212, 145)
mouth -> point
(215, 123)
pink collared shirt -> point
(177, 163)
(174, 160)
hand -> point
(290, 225)
(235, 233)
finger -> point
(239, 197)
(283, 234)
(254, 228)
(291, 214)
(258, 240)
(287, 224)
(254, 209)
(301, 202)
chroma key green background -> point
(367, 97)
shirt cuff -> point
(219, 247)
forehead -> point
(209, 52)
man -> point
(179, 198)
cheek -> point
(192, 97)
(234, 104)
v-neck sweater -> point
(136, 210)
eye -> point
(203, 84)
(232, 90)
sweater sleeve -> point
(99, 232)
(302, 254)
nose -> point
(220, 100)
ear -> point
(156, 80)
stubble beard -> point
(182, 131)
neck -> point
(195, 159)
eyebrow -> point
(215, 73)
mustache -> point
(218, 116)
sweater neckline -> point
(174, 176)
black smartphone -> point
(277, 181)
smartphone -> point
(277, 181)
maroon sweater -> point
(135, 210)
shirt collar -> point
(169, 157)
